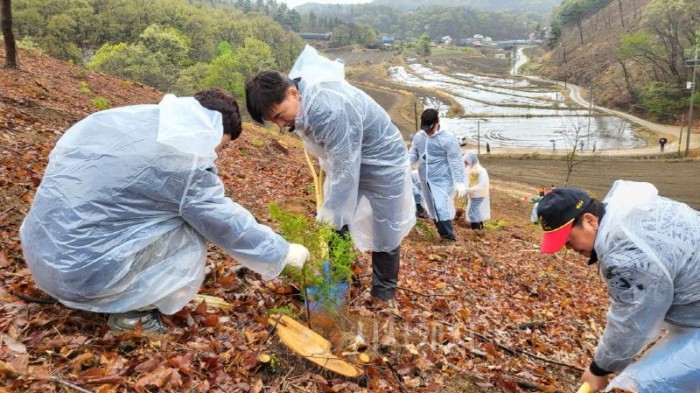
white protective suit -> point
(440, 168)
(649, 252)
(368, 183)
(128, 200)
(479, 204)
(417, 195)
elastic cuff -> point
(597, 371)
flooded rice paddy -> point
(516, 113)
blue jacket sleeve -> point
(232, 227)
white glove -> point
(297, 255)
(461, 190)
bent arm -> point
(641, 294)
(231, 227)
(338, 129)
(454, 158)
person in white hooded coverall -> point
(440, 169)
(479, 202)
(649, 252)
(130, 196)
(368, 185)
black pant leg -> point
(385, 273)
(445, 229)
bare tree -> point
(622, 19)
(576, 136)
(8, 36)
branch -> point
(517, 351)
(70, 385)
(11, 150)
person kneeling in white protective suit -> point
(368, 185)
(440, 169)
(130, 196)
(649, 252)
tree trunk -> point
(580, 29)
(628, 81)
(9, 37)
(622, 20)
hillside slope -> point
(595, 60)
(484, 314)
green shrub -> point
(494, 226)
(100, 103)
(426, 231)
(284, 310)
(84, 88)
(82, 74)
(324, 244)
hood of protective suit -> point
(470, 158)
(624, 198)
(189, 127)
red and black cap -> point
(556, 212)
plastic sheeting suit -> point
(650, 252)
(127, 202)
(368, 187)
(479, 204)
(440, 168)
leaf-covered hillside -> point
(484, 314)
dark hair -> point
(217, 99)
(267, 89)
(595, 207)
(428, 119)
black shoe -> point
(149, 320)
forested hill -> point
(436, 21)
(178, 46)
(631, 51)
(512, 6)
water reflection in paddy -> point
(517, 113)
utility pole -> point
(478, 135)
(692, 97)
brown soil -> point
(674, 179)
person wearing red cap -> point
(648, 247)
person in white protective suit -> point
(479, 202)
(418, 195)
(649, 252)
(130, 196)
(368, 185)
(440, 169)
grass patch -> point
(100, 103)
